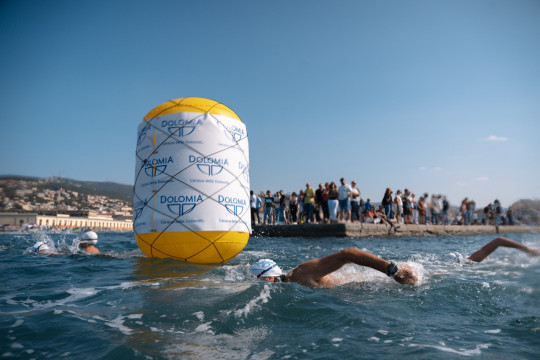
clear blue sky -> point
(437, 96)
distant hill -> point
(527, 211)
(110, 189)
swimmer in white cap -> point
(42, 248)
(87, 242)
(315, 273)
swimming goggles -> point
(265, 271)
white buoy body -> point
(191, 194)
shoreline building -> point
(14, 221)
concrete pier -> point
(383, 230)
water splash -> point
(255, 303)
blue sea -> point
(123, 305)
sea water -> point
(123, 305)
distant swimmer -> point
(87, 242)
(42, 248)
(316, 272)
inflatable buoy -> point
(191, 193)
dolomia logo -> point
(209, 165)
(234, 205)
(180, 127)
(180, 205)
(157, 166)
(233, 132)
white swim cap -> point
(266, 267)
(89, 237)
(40, 246)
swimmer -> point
(316, 272)
(87, 242)
(490, 247)
(380, 214)
(42, 248)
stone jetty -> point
(384, 230)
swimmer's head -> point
(408, 274)
(89, 238)
(40, 246)
(266, 269)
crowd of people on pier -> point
(332, 203)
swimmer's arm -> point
(501, 241)
(315, 270)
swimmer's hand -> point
(533, 252)
(405, 275)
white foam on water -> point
(464, 352)
(351, 273)
(235, 273)
(118, 323)
(17, 322)
(494, 331)
(207, 345)
(77, 316)
(263, 298)
(126, 285)
(382, 332)
(204, 327)
(374, 338)
(256, 254)
(9, 300)
(526, 290)
(75, 295)
(199, 315)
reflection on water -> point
(168, 273)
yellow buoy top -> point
(191, 104)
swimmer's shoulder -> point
(92, 250)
